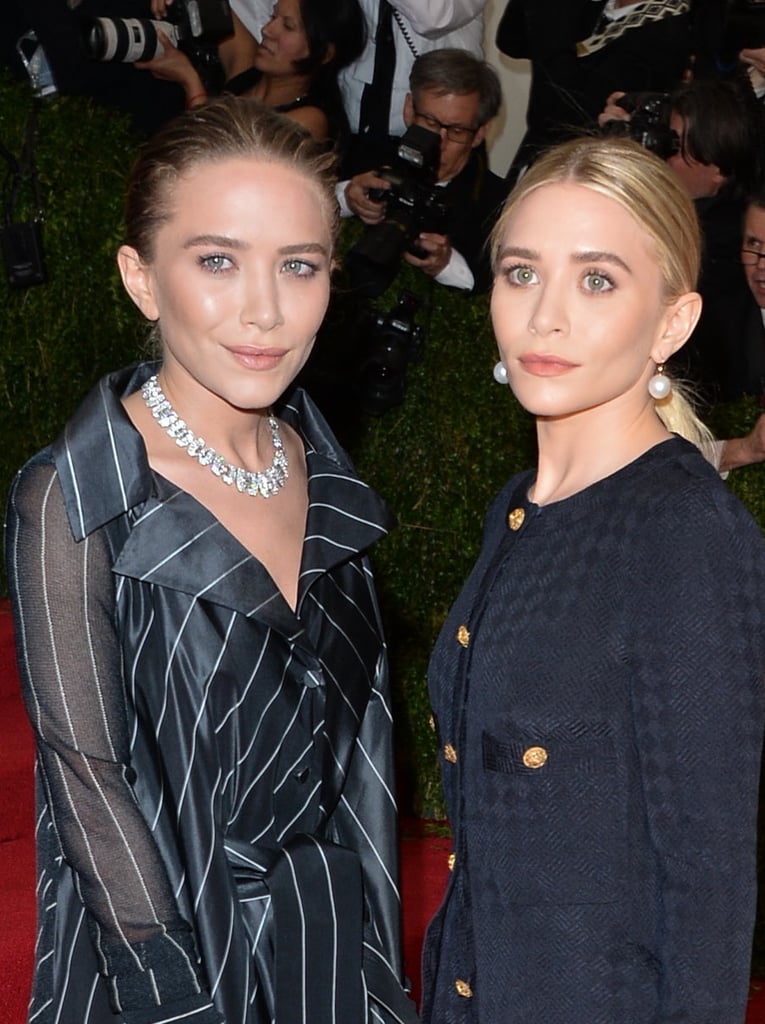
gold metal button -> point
(463, 989)
(515, 519)
(535, 757)
(463, 635)
(452, 861)
(450, 753)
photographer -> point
(717, 131)
(455, 95)
(58, 26)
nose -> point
(548, 315)
(261, 305)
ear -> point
(408, 110)
(679, 321)
(718, 179)
(136, 277)
(329, 54)
(479, 136)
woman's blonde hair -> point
(652, 195)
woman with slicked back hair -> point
(198, 635)
(607, 653)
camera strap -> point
(21, 241)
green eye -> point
(521, 275)
(596, 282)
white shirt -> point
(430, 25)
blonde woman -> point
(598, 685)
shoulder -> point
(33, 482)
(100, 455)
(312, 116)
(679, 514)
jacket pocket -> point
(558, 798)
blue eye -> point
(216, 263)
(300, 268)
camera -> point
(192, 25)
(649, 122)
(394, 340)
(413, 203)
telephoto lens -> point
(127, 39)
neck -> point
(274, 91)
(576, 451)
(241, 435)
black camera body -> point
(392, 341)
(191, 25)
(649, 122)
(414, 203)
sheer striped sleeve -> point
(70, 667)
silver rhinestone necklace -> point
(264, 483)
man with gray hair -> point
(455, 95)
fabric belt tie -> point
(322, 964)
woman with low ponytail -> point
(598, 684)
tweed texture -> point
(607, 718)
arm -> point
(696, 658)
(70, 666)
(434, 18)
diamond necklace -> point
(265, 483)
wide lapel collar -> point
(174, 541)
(345, 516)
(100, 456)
(178, 544)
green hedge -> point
(438, 458)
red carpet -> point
(424, 855)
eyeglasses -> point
(751, 257)
(454, 132)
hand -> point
(357, 197)
(744, 451)
(159, 8)
(612, 111)
(173, 66)
(439, 250)
(754, 58)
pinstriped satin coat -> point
(190, 726)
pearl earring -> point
(659, 386)
(500, 373)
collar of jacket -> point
(174, 541)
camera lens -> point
(126, 39)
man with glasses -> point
(739, 318)
(455, 95)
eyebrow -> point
(590, 256)
(226, 242)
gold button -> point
(450, 753)
(463, 989)
(515, 519)
(535, 757)
(452, 861)
(463, 635)
(432, 723)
